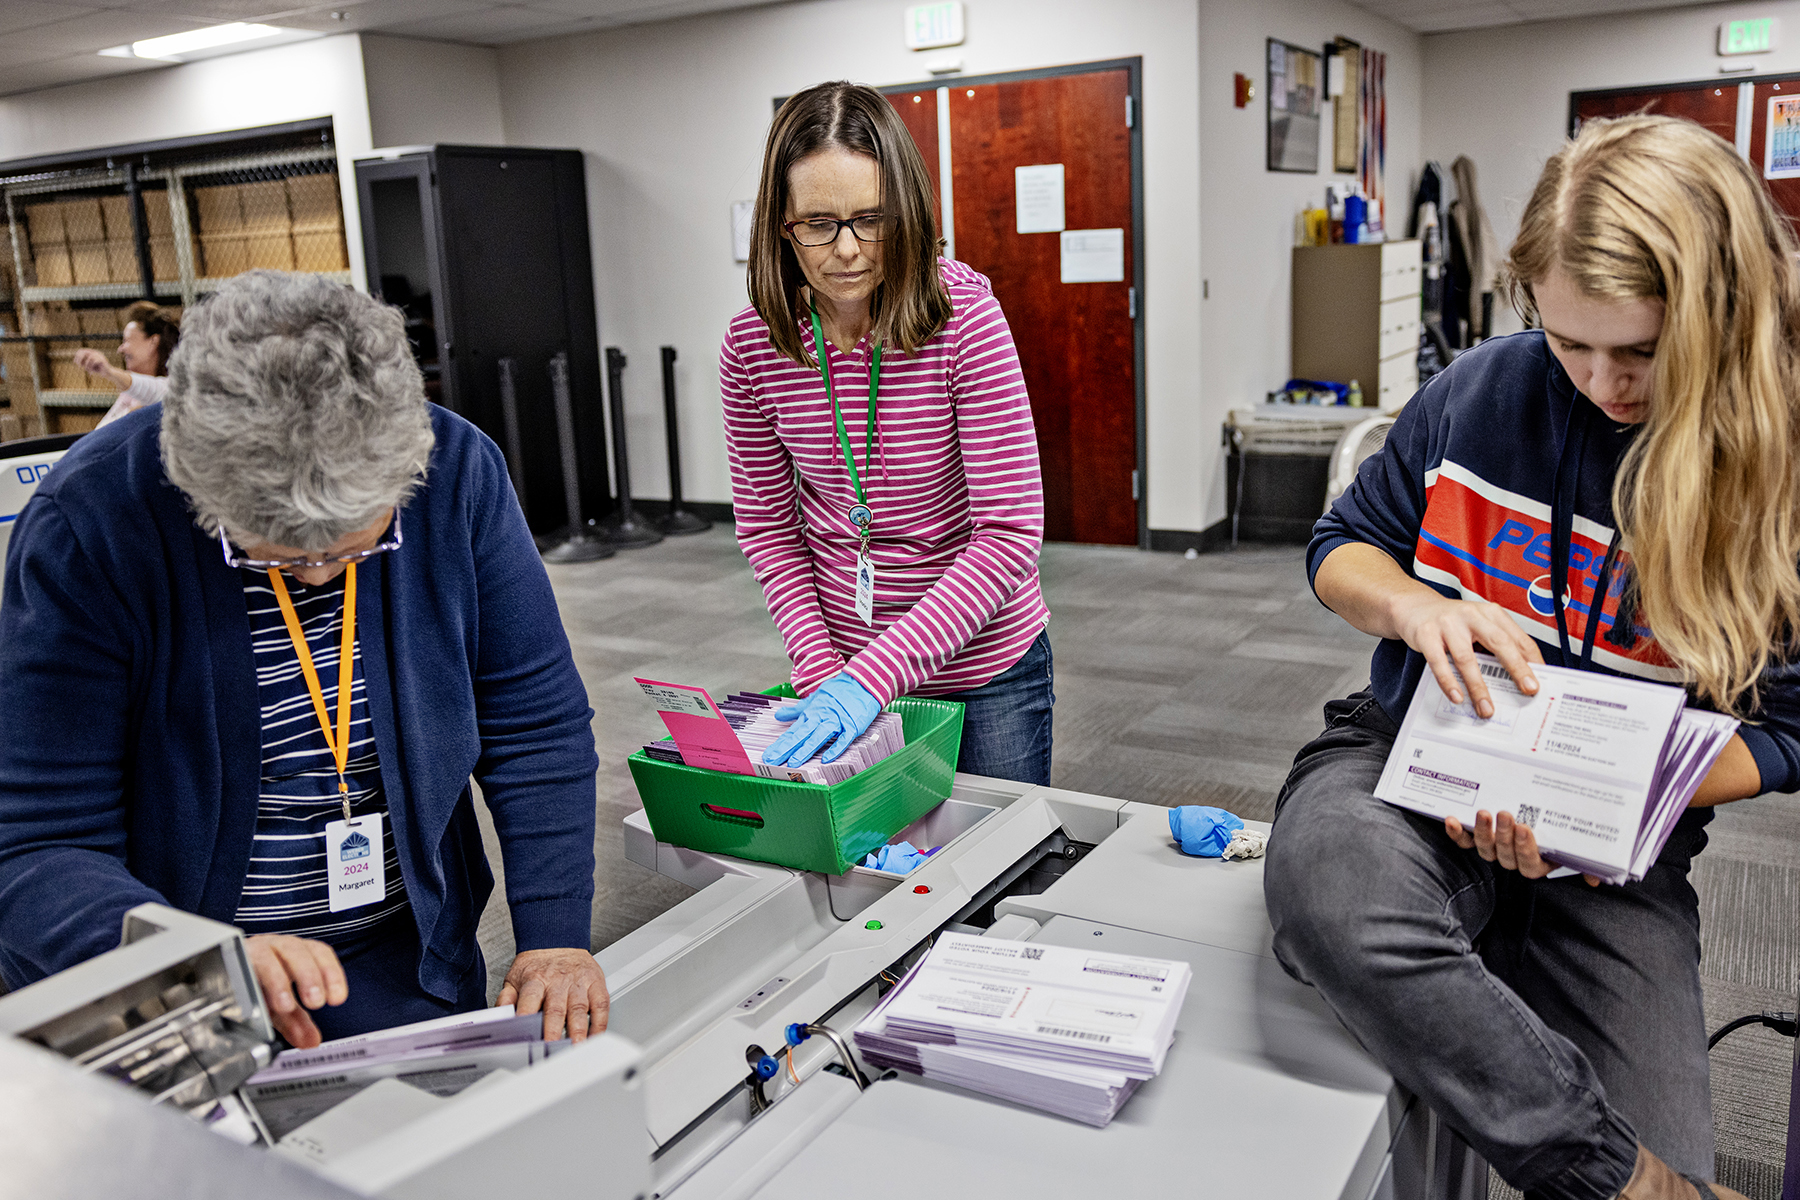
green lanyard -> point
(867, 518)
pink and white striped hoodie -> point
(954, 485)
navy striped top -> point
(285, 891)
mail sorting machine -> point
(1263, 1092)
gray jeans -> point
(1550, 1024)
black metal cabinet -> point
(486, 250)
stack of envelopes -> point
(1071, 1032)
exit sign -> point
(929, 26)
(1755, 36)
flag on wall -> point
(1372, 134)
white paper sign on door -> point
(1038, 196)
(1093, 256)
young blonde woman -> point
(884, 465)
(1652, 417)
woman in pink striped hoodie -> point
(883, 460)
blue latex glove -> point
(901, 858)
(1203, 831)
(841, 709)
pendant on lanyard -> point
(860, 514)
(339, 745)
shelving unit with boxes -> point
(1356, 316)
(79, 252)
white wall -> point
(672, 117)
(422, 93)
(1247, 223)
(296, 82)
(1501, 96)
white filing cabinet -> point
(1356, 316)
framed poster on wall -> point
(1296, 81)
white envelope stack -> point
(1071, 1032)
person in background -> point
(151, 334)
(884, 463)
(1646, 431)
(206, 707)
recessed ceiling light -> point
(172, 47)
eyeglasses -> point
(822, 231)
(235, 560)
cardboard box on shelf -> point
(220, 209)
(82, 221)
(320, 250)
(163, 263)
(44, 223)
(223, 254)
(272, 250)
(265, 206)
(76, 420)
(122, 260)
(156, 213)
(115, 213)
(89, 262)
(313, 201)
(55, 317)
(65, 375)
(51, 265)
(16, 357)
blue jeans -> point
(1551, 1025)
(384, 986)
(1006, 721)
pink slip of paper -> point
(702, 734)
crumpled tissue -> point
(900, 858)
(1201, 830)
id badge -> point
(865, 589)
(355, 866)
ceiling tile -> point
(97, 31)
(23, 14)
(379, 14)
(484, 27)
(255, 11)
(635, 12)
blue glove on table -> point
(1203, 831)
(840, 709)
(900, 858)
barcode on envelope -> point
(1079, 1034)
(1032, 952)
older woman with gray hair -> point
(253, 647)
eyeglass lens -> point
(872, 227)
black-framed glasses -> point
(822, 231)
(235, 560)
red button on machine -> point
(921, 889)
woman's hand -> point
(1446, 632)
(1361, 584)
(94, 363)
(289, 967)
(567, 985)
(836, 714)
(1503, 840)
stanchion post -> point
(580, 546)
(624, 529)
(509, 413)
(679, 520)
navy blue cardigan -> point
(130, 740)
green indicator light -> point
(873, 925)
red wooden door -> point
(1786, 192)
(918, 110)
(1713, 105)
(1077, 341)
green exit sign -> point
(1755, 36)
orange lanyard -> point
(339, 745)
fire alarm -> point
(1244, 90)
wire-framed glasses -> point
(822, 231)
(235, 560)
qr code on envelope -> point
(1527, 814)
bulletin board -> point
(1296, 83)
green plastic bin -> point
(804, 825)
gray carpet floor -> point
(1178, 681)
